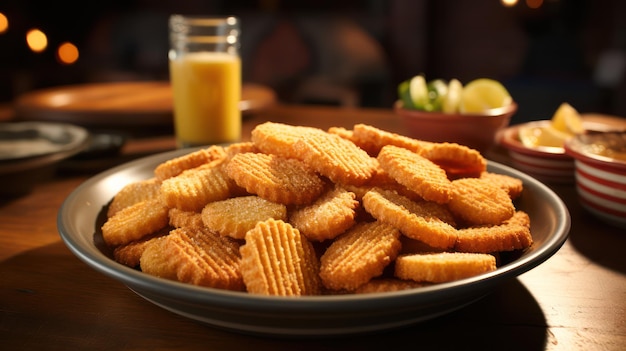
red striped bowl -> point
(601, 180)
(547, 164)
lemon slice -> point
(418, 92)
(566, 119)
(533, 137)
(453, 98)
(482, 95)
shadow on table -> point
(68, 304)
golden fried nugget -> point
(188, 219)
(459, 161)
(519, 218)
(275, 178)
(196, 257)
(359, 255)
(411, 246)
(513, 186)
(382, 285)
(443, 267)
(235, 216)
(239, 148)
(416, 173)
(176, 166)
(278, 260)
(480, 202)
(130, 254)
(194, 188)
(342, 132)
(135, 222)
(133, 193)
(330, 215)
(373, 139)
(336, 158)
(428, 222)
(513, 234)
(278, 138)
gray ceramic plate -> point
(302, 316)
(30, 151)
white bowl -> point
(600, 180)
(80, 218)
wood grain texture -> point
(51, 300)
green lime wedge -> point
(404, 95)
(437, 91)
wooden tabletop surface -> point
(51, 300)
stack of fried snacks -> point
(302, 211)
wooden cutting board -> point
(119, 103)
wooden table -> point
(49, 299)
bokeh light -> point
(67, 53)
(37, 40)
(534, 4)
(508, 3)
(4, 23)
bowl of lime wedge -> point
(448, 111)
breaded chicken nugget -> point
(416, 173)
(428, 222)
(513, 186)
(330, 215)
(278, 138)
(359, 255)
(176, 166)
(235, 216)
(133, 193)
(275, 178)
(334, 157)
(239, 148)
(135, 222)
(194, 188)
(513, 234)
(480, 202)
(342, 132)
(278, 260)
(459, 161)
(189, 219)
(519, 218)
(373, 139)
(443, 267)
(130, 254)
(196, 257)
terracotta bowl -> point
(475, 131)
(600, 179)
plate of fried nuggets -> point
(301, 211)
(383, 302)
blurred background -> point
(347, 53)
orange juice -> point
(207, 90)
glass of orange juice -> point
(205, 74)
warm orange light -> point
(534, 4)
(4, 23)
(67, 53)
(508, 3)
(36, 40)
